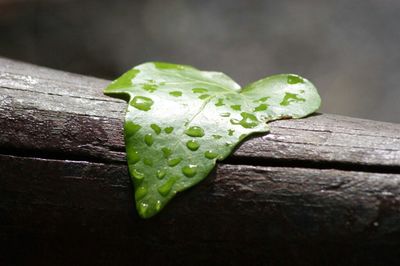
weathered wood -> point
(315, 190)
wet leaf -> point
(181, 120)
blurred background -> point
(348, 48)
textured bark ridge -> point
(321, 190)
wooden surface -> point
(320, 190)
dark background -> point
(348, 49)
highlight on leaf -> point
(181, 120)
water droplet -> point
(166, 151)
(220, 102)
(290, 98)
(236, 107)
(142, 208)
(131, 128)
(294, 79)
(162, 65)
(248, 120)
(176, 93)
(204, 96)
(302, 91)
(225, 114)
(263, 99)
(158, 205)
(216, 136)
(142, 103)
(189, 170)
(192, 145)
(194, 131)
(165, 189)
(199, 90)
(230, 132)
(148, 139)
(261, 107)
(149, 87)
(174, 161)
(148, 161)
(133, 155)
(156, 128)
(168, 130)
(161, 173)
(210, 154)
(137, 175)
(140, 193)
(241, 137)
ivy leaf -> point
(181, 120)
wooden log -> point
(320, 190)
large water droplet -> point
(165, 189)
(210, 154)
(131, 128)
(161, 173)
(192, 145)
(148, 139)
(236, 107)
(137, 175)
(175, 161)
(176, 93)
(166, 151)
(133, 155)
(261, 107)
(156, 128)
(148, 161)
(199, 90)
(140, 193)
(220, 102)
(294, 79)
(290, 98)
(189, 170)
(142, 208)
(248, 120)
(168, 130)
(194, 131)
(142, 103)
(158, 205)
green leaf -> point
(181, 120)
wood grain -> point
(320, 190)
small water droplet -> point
(294, 79)
(161, 173)
(261, 107)
(248, 120)
(149, 87)
(189, 170)
(236, 107)
(137, 175)
(142, 208)
(220, 102)
(290, 98)
(168, 130)
(376, 224)
(230, 132)
(199, 90)
(140, 193)
(156, 128)
(263, 99)
(165, 189)
(225, 114)
(174, 162)
(176, 93)
(158, 205)
(133, 155)
(204, 96)
(142, 103)
(166, 151)
(131, 128)
(194, 131)
(210, 154)
(192, 145)
(148, 161)
(216, 136)
(148, 139)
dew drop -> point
(294, 79)
(166, 151)
(199, 90)
(176, 93)
(149, 87)
(263, 99)
(204, 96)
(194, 131)
(192, 145)
(140, 193)
(133, 155)
(148, 161)
(165, 189)
(156, 128)
(248, 120)
(142, 103)
(225, 114)
(220, 102)
(142, 208)
(210, 154)
(168, 130)
(148, 139)
(230, 132)
(261, 107)
(216, 136)
(161, 173)
(236, 107)
(131, 128)
(241, 137)
(158, 205)
(174, 162)
(290, 98)
(189, 170)
(137, 175)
